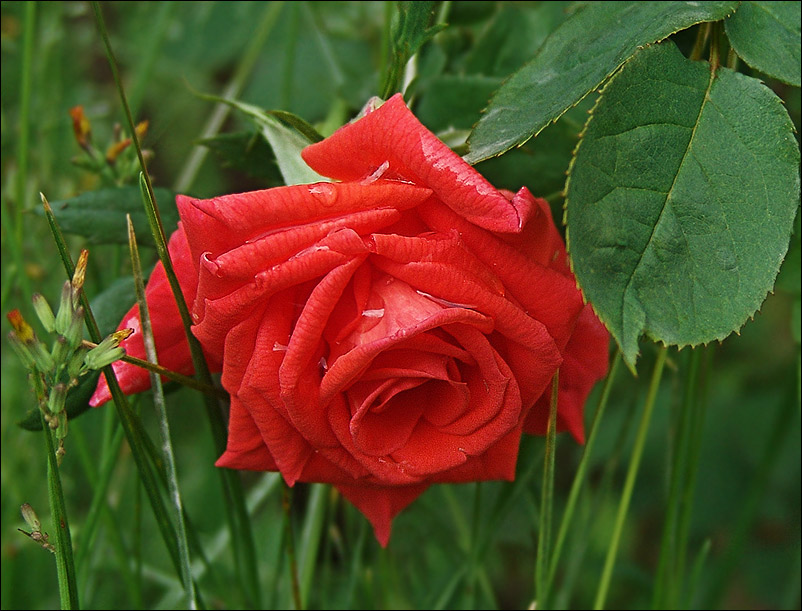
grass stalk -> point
(289, 541)
(542, 563)
(29, 21)
(65, 563)
(164, 425)
(668, 580)
(132, 426)
(629, 484)
(236, 512)
(581, 471)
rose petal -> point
(381, 504)
(216, 225)
(246, 449)
(392, 135)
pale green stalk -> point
(547, 501)
(65, 565)
(164, 425)
(581, 470)
(236, 513)
(629, 484)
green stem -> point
(667, 581)
(67, 585)
(697, 429)
(702, 34)
(629, 484)
(579, 478)
(24, 119)
(132, 426)
(547, 502)
(289, 538)
(310, 538)
(236, 512)
(164, 425)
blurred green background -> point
(457, 546)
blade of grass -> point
(581, 471)
(629, 484)
(236, 513)
(29, 22)
(696, 574)
(697, 430)
(667, 582)
(310, 538)
(289, 539)
(132, 426)
(164, 425)
(67, 586)
(542, 562)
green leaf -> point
(109, 307)
(287, 143)
(99, 216)
(766, 36)
(578, 57)
(247, 152)
(681, 200)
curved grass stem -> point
(629, 484)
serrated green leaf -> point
(108, 307)
(575, 59)
(99, 216)
(681, 200)
(766, 35)
(246, 152)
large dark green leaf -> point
(584, 51)
(681, 200)
(766, 36)
(99, 215)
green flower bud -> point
(43, 311)
(76, 365)
(65, 310)
(22, 350)
(57, 399)
(74, 334)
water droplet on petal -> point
(377, 313)
(324, 192)
(279, 347)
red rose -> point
(393, 329)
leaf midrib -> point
(705, 100)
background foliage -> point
(469, 546)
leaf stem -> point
(667, 582)
(542, 562)
(629, 484)
(236, 512)
(167, 373)
(579, 478)
(65, 564)
(289, 536)
(164, 425)
(238, 81)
